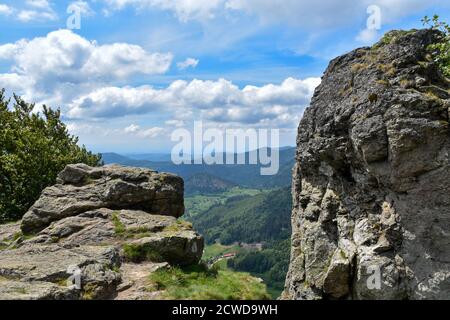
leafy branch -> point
(441, 49)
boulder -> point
(50, 267)
(81, 188)
(100, 224)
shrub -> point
(441, 49)
(34, 148)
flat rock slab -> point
(136, 281)
(106, 229)
(54, 265)
(81, 188)
(36, 290)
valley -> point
(245, 218)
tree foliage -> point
(261, 218)
(271, 264)
(440, 49)
(34, 147)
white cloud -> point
(367, 36)
(14, 82)
(36, 10)
(132, 128)
(175, 123)
(40, 4)
(151, 132)
(34, 15)
(5, 9)
(137, 131)
(188, 63)
(219, 101)
(305, 13)
(82, 7)
(185, 10)
(64, 63)
(31, 10)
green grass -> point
(222, 265)
(200, 283)
(138, 253)
(197, 204)
(180, 225)
(119, 227)
(128, 233)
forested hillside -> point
(265, 219)
(204, 184)
(261, 218)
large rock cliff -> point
(110, 226)
(371, 185)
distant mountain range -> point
(248, 176)
(155, 157)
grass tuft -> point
(200, 283)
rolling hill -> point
(248, 176)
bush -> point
(441, 49)
(34, 148)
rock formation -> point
(371, 185)
(114, 225)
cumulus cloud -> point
(218, 101)
(14, 82)
(188, 63)
(31, 10)
(33, 15)
(40, 4)
(82, 7)
(5, 9)
(312, 14)
(184, 10)
(137, 131)
(36, 10)
(132, 128)
(175, 123)
(63, 64)
(367, 36)
(63, 56)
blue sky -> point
(139, 69)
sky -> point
(133, 71)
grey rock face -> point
(371, 185)
(90, 222)
(81, 188)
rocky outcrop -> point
(371, 185)
(100, 224)
(81, 188)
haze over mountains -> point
(246, 175)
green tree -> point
(440, 49)
(34, 147)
